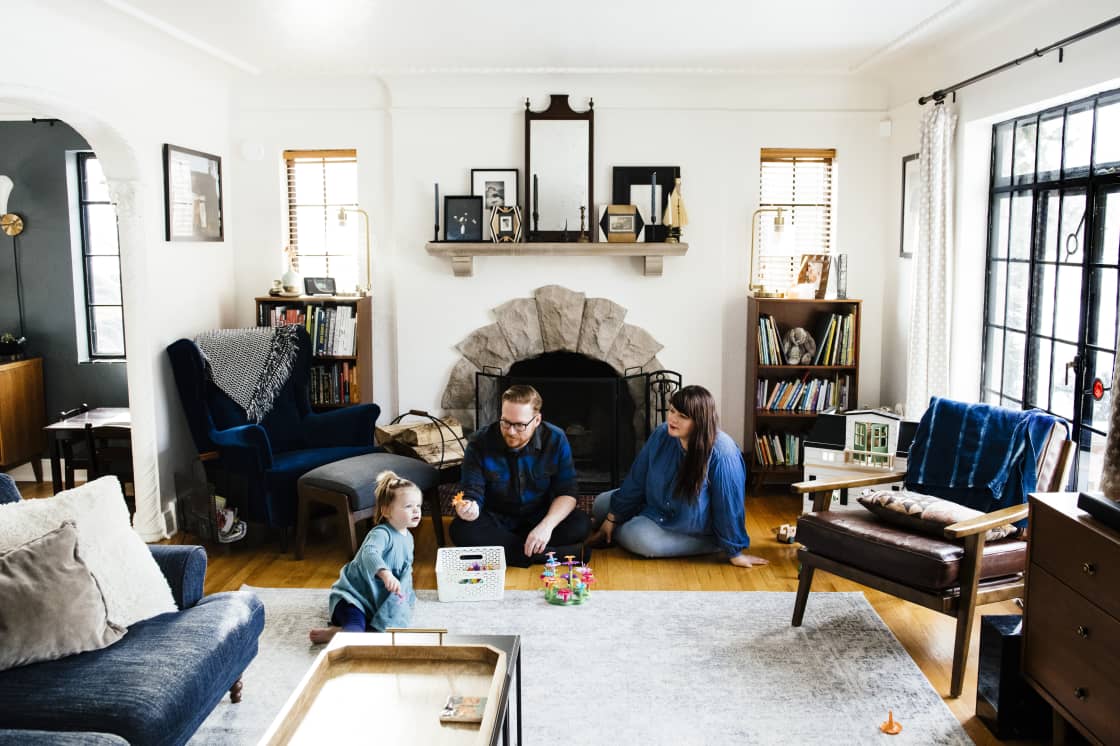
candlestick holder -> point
(583, 237)
(435, 234)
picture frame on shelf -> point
(192, 195)
(635, 185)
(319, 285)
(462, 218)
(812, 278)
(498, 187)
(908, 223)
(621, 223)
(505, 224)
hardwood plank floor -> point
(926, 635)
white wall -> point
(128, 91)
(1089, 66)
(415, 130)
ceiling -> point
(347, 37)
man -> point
(519, 483)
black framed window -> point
(1050, 310)
(101, 262)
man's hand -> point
(466, 509)
(537, 539)
(391, 583)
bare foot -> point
(748, 560)
(325, 634)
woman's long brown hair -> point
(696, 403)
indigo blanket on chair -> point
(978, 455)
(250, 365)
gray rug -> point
(648, 668)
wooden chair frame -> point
(958, 601)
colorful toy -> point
(457, 500)
(892, 726)
(570, 588)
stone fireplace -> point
(599, 377)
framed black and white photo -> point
(505, 224)
(498, 187)
(319, 285)
(621, 223)
(192, 194)
(909, 224)
(462, 218)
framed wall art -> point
(621, 223)
(192, 195)
(462, 218)
(498, 187)
(505, 224)
(908, 232)
(813, 275)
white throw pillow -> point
(133, 585)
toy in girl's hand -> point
(570, 588)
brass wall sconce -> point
(342, 211)
(10, 223)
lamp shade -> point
(6, 186)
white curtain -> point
(927, 369)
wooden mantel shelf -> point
(462, 253)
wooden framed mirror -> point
(559, 163)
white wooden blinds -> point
(320, 182)
(798, 180)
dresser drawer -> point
(1073, 651)
(1077, 553)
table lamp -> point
(342, 211)
(757, 287)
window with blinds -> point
(320, 183)
(799, 181)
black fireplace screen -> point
(606, 417)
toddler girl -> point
(374, 590)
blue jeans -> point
(643, 536)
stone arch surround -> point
(555, 319)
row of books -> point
(335, 383)
(333, 329)
(769, 341)
(835, 345)
(792, 395)
(777, 449)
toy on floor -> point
(892, 726)
(786, 533)
(570, 588)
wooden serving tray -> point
(370, 686)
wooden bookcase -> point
(787, 314)
(329, 368)
(23, 415)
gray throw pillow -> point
(50, 604)
(924, 513)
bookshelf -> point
(341, 331)
(783, 399)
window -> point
(799, 181)
(320, 183)
(1050, 311)
(101, 263)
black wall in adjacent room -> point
(33, 155)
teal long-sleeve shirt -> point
(718, 512)
(384, 548)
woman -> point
(684, 493)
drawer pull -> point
(1082, 631)
(1089, 568)
(1081, 693)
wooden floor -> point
(926, 635)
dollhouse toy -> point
(857, 443)
(566, 588)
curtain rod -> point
(940, 94)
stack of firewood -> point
(428, 441)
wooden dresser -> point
(23, 415)
(1071, 625)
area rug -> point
(638, 667)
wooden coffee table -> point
(392, 687)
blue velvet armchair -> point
(258, 465)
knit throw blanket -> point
(250, 365)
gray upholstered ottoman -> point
(347, 486)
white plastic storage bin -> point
(457, 581)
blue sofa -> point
(153, 687)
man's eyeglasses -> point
(517, 427)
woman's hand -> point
(604, 535)
(748, 560)
(390, 580)
(466, 509)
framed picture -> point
(318, 285)
(908, 238)
(621, 223)
(647, 188)
(498, 188)
(813, 275)
(505, 224)
(462, 218)
(192, 195)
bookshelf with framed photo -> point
(340, 328)
(802, 359)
